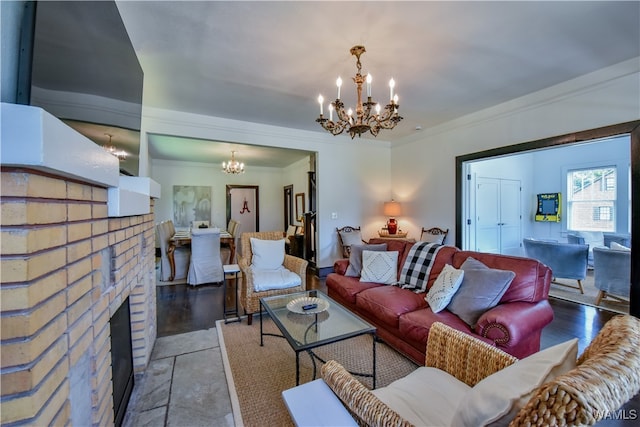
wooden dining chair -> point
(433, 235)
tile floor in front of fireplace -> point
(184, 384)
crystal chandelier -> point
(365, 120)
(233, 166)
(120, 154)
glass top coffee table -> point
(306, 327)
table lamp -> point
(392, 209)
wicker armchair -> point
(607, 375)
(249, 298)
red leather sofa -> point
(403, 318)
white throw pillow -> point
(379, 267)
(267, 254)
(443, 289)
(618, 247)
(497, 399)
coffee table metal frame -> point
(305, 332)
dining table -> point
(183, 238)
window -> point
(602, 213)
(592, 199)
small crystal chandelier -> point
(233, 166)
(364, 121)
(120, 154)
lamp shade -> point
(392, 208)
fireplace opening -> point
(121, 360)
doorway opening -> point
(464, 197)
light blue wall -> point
(551, 167)
(545, 171)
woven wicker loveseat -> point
(603, 378)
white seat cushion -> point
(497, 399)
(425, 397)
(279, 278)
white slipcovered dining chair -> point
(206, 264)
(165, 231)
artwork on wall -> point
(191, 203)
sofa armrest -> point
(511, 323)
(340, 266)
(463, 356)
(363, 405)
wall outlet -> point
(334, 215)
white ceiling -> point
(266, 62)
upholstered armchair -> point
(468, 382)
(251, 289)
(598, 239)
(612, 273)
(566, 260)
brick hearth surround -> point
(65, 268)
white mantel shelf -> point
(32, 138)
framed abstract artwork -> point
(191, 203)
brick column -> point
(65, 268)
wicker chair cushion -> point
(426, 397)
(280, 278)
(500, 396)
(267, 254)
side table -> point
(315, 404)
(226, 313)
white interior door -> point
(488, 215)
(510, 217)
(498, 217)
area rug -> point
(257, 375)
(589, 296)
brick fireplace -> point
(67, 265)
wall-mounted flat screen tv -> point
(77, 62)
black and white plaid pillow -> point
(417, 266)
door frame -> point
(257, 207)
(288, 206)
(632, 128)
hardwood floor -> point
(184, 308)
